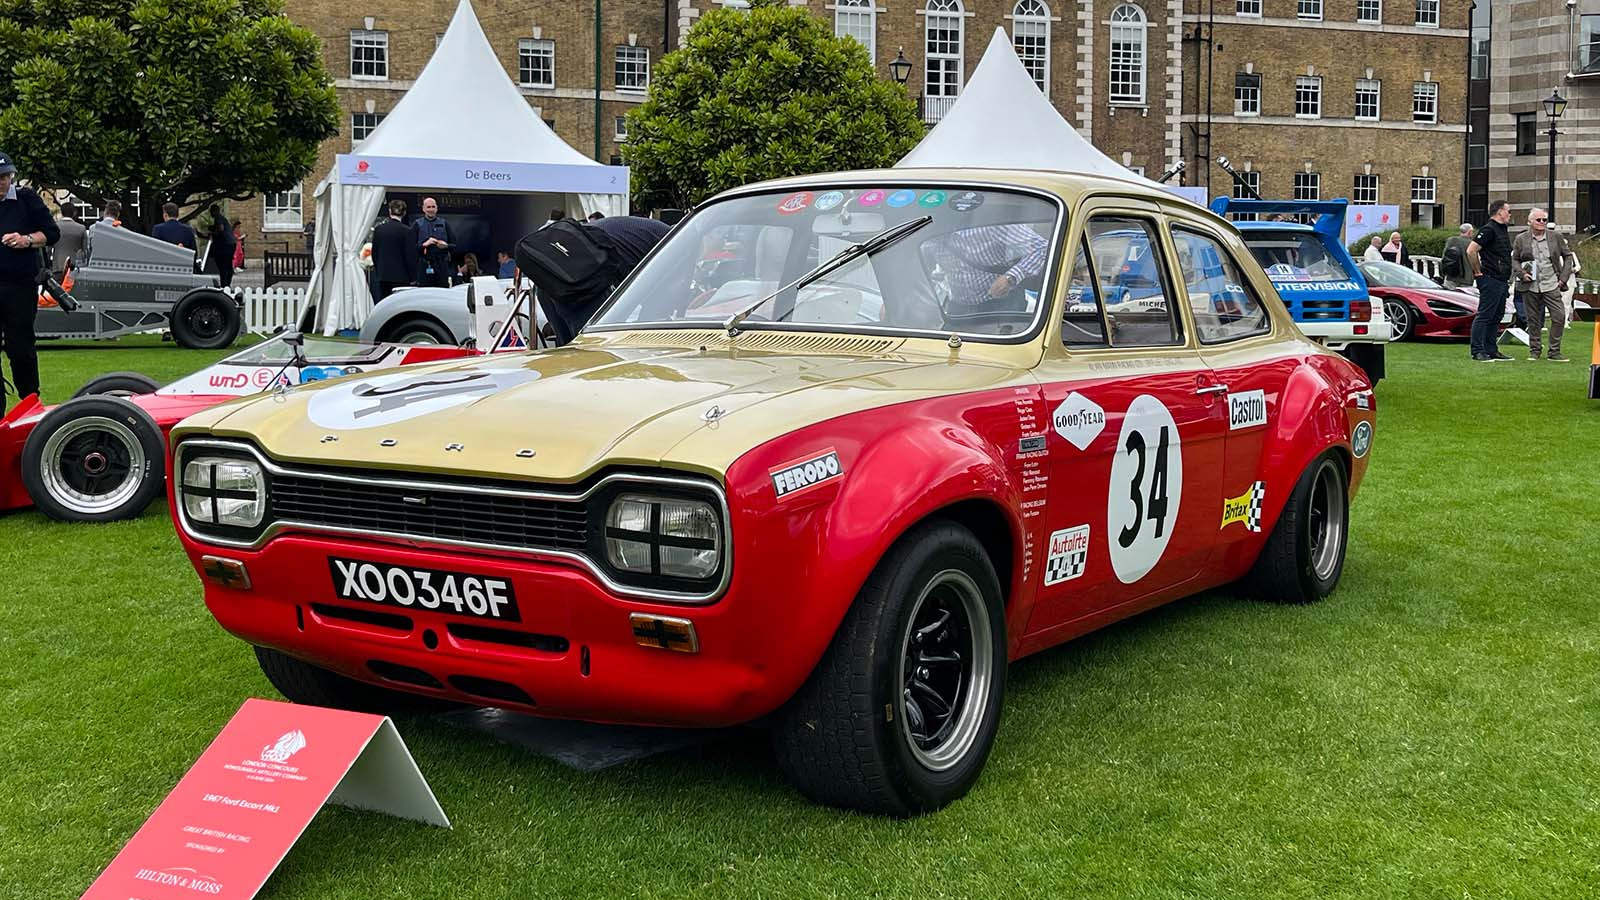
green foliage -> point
(1419, 241)
(188, 100)
(760, 94)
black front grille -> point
(431, 513)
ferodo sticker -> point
(1079, 420)
(1245, 508)
(1146, 489)
(1068, 555)
(1247, 409)
(1361, 439)
(796, 477)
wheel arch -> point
(1312, 419)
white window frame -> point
(638, 60)
(1425, 102)
(1427, 13)
(1374, 87)
(1424, 190)
(1309, 10)
(853, 18)
(1313, 85)
(278, 206)
(1307, 186)
(377, 119)
(1375, 7)
(1364, 190)
(621, 135)
(1030, 21)
(1128, 23)
(1248, 8)
(530, 50)
(941, 17)
(376, 41)
(77, 209)
(1238, 109)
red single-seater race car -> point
(1417, 307)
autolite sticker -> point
(1245, 508)
(798, 476)
(1068, 555)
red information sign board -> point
(230, 821)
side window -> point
(1126, 256)
(1081, 325)
(1223, 306)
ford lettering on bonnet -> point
(787, 480)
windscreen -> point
(1295, 256)
(1387, 274)
(972, 261)
(317, 350)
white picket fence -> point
(266, 309)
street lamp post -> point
(1554, 106)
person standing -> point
(171, 230)
(111, 214)
(1453, 261)
(1395, 251)
(433, 238)
(26, 226)
(238, 246)
(221, 249)
(394, 254)
(1374, 251)
(1543, 264)
(507, 265)
(1489, 255)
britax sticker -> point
(1247, 409)
(1068, 556)
(808, 473)
(1245, 508)
(1079, 420)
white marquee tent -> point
(462, 126)
(1003, 121)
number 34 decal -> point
(1146, 488)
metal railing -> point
(935, 108)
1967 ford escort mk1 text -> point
(915, 427)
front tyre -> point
(899, 716)
(1304, 556)
(94, 459)
(205, 320)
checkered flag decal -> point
(1258, 493)
(1068, 566)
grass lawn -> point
(1430, 731)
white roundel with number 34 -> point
(1146, 489)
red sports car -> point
(1416, 306)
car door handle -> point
(1211, 389)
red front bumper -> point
(291, 606)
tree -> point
(759, 94)
(192, 101)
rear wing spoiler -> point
(1330, 213)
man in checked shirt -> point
(987, 265)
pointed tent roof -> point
(1003, 121)
(501, 126)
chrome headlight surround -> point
(221, 493)
(658, 537)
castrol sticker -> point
(807, 473)
(1247, 409)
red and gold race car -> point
(919, 435)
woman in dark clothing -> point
(222, 245)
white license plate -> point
(435, 590)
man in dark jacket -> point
(394, 255)
(433, 239)
(26, 226)
(171, 230)
(1489, 255)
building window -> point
(1369, 11)
(1527, 133)
(1368, 98)
(858, 19)
(1253, 179)
(1246, 94)
(369, 54)
(1127, 55)
(1425, 101)
(1365, 190)
(622, 129)
(1308, 185)
(633, 69)
(1308, 97)
(944, 40)
(1423, 190)
(281, 210)
(362, 124)
(1428, 13)
(1030, 35)
(1477, 156)
(1247, 7)
(1588, 45)
(536, 63)
(1309, 9)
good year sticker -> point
(1146, 489)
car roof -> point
(1296, 227)
(1068, 186)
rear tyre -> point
(899, 716)
(119, 384)
(205, 320)
(418, 330)
(304, 683)
(1304, 556)
(1401, 320)
(94, 459)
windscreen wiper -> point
(866, 248)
